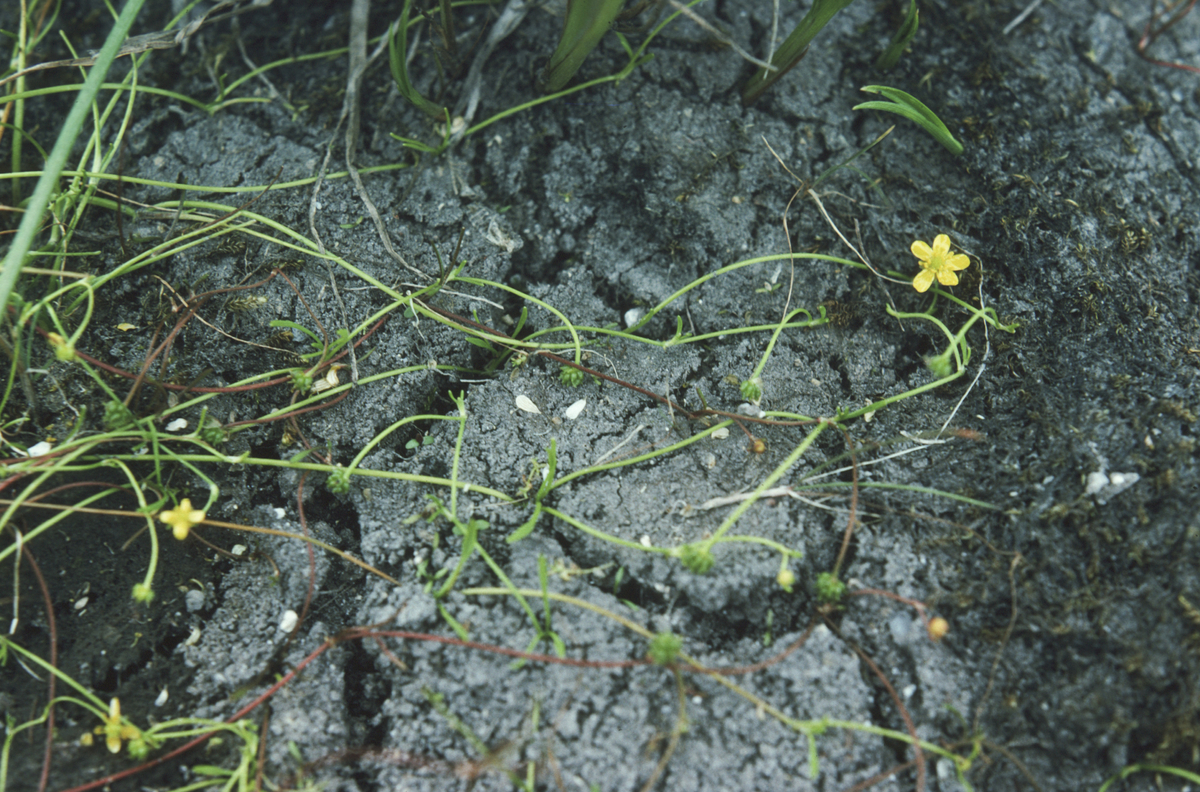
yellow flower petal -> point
(941, 245)
(958, 262)
(946, 278)
(921, 250)
(182, 519)
(923, 280)
(112, 726)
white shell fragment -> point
(1104, 487)
(525, 404)
(575, 410)
(37, 449)
(177, 425)
(752, 410)
(290, 618)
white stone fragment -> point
(178, 425)
(38, 449)
(632, 316)
(1106, 487)
(162, 698)
(290, 618)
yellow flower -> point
(937, 262)
(114, 730)
(938, 627)
(64, 350)
(182, 519)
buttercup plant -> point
(457, 512)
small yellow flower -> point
(64, 350)
(114, 730)
(182, 519)
(937, 262)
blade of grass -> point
(793, 48)
(913, 109)
(46, 185)
(586, 23)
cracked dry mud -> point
(1071, 650)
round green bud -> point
(786, 579)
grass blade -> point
(913, 109)
(48, 181)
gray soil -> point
(1073, 650)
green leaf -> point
(551, 467)
(294, 326)
(913, 109)
(664, 648)
(520, 322)
(479, 342)
(397, 53)
(793, 47)
(526, 527)
(459, 630)
(908, 28)
(696, 558)
(585, 24)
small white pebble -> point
(179, 424)
(721, 433)
(632, 316)
(645, 540)
(290, 618)
(81, 603)
(194, 638)
(193, 600)
(279, 513)
(162, 698)
(37, 449)
(1096, 481)
(238, 549)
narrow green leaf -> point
(586, 23)
(293, 326)
(397, 53)
(913, 109)
(793, 47)
(459, 630)
(908, 28)
(552, 466)
(527, 527)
